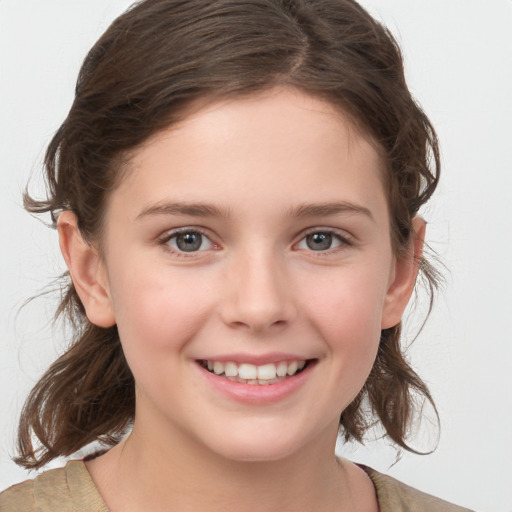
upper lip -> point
(255, 359)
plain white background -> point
(458, 56)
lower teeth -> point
(259, 382)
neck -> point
(180, 475)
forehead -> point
(282, 145)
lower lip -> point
(257, 393)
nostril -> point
(257, 299)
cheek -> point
(157, 316)
(347, 312)
(349, 301)
(156, 312)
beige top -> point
(71, 489)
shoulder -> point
(57, 490)
(395, 496)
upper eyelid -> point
(347, 240)
(342, 233)
(170, 233)
(164, 239)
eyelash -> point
(167, 237)
(344, 241)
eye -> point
(189, 241)
(321, 241)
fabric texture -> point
(67, 489)
(395, 496)
(71, 489)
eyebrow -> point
(183, 208)
(326, 209)
(210, 210)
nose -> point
(258, 295)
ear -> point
(404, 277)
(87, 271)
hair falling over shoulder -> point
(151, 63)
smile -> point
(246, 373)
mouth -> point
(262, 375)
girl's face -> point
(250, 241)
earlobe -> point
(404, 278)
(87, 271)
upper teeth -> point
(248, 371)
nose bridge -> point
(258, 295)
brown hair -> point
(150, 64)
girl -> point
(236, 190)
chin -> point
(256, 445)
(258, 453)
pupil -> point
(189, 242)
(319, 241)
